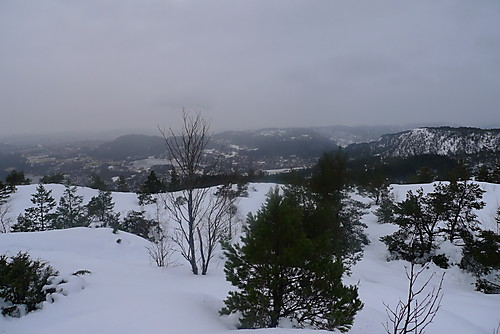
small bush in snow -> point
(24, 283)
(81, 272)
(441, 261)
(160, 250)
(136, 222)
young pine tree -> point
(424, 219)
(460, 199)
(418, 221)
(152, 185)
(39, 217)
(96, 182)
(15, 178)
(333, 211)
(70, 212)
(385, 212)
(175, 182)
(280, 272)
(100, 209)
(135, 222)
(5, 192)
(121, 184)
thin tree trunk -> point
(192, 252)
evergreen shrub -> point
(23, 283)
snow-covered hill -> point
(126, 295)
(443, 141)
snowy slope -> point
(125, 294)
(441, 141)
(463, 310)
(444, 141)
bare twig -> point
(415, 313)
(5, 219)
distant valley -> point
(265, 150)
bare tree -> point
(5, 219)
(160, 250)
(192, 208)
(214, 227)
(186, 151)
(414, 314)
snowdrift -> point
(125, 294)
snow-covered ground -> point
(126, 294)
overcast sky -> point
(122, 64)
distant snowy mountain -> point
(444, 141)
(346, 135)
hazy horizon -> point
(97, 66)
(61, 137)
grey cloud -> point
(247, 64)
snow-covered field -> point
(126, 294)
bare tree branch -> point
(415, 314)
(5, 219)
